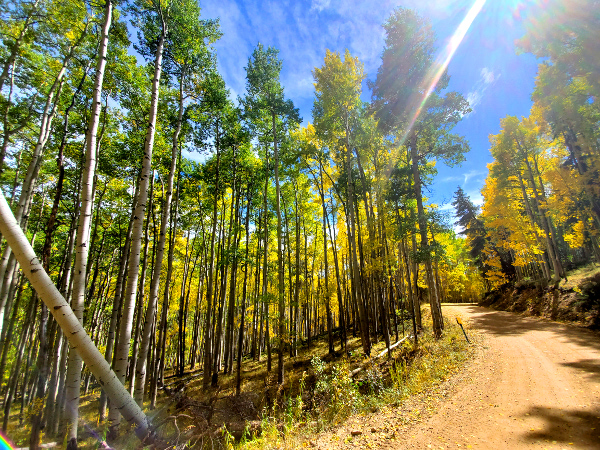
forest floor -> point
(533, 384)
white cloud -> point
(487, 78)
(471, 174)
(452, 178)
(465, 177)
(319, 5)
(474, 98)
(488, 75)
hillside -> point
(578, 298)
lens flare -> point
(5, 444)
(441, 64)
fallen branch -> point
(383, 353)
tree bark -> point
(83, 232)
(67, 320)
(122, 351)
(141, 365)
(356, 281)
(243, 305)
(433, 299)
(209, 287)
(280, 274)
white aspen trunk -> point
(122, 351)
(31, 176)
(66, 319)
(209, 287)
(73, 382)
(26, 196)
(280, 274)
(355, 273)
(142, 361)
(434, 302)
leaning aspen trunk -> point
(83, 231)
(141, 365)
(122, 351)
(68, 322)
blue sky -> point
(485, 68)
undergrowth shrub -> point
(336, 394)
(373, 382)
(332, 395)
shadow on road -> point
(578, 427)
(590, 366)
(504, 323)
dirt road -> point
(536, 385)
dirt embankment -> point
(576, 301)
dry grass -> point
(278, 417)
(575, 277)
(412, 371)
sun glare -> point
(441, 63)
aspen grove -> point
(189, 231)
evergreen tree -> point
(471, 226)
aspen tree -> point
(69, 323)
(83, 231)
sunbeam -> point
(441, 64)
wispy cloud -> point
(488, 76)
(486, 79)
(319, 5)
(464, 178)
